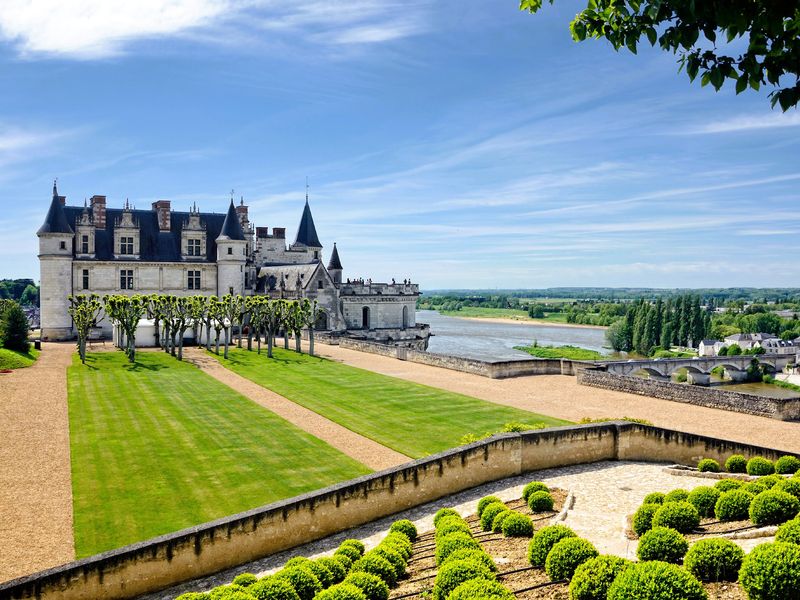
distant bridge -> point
(698, 368)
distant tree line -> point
(23, 291)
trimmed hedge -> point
(726, 485)
(566, 556)
(444, 512)
(771, 572)
(337, 571)
(399, 542)
(790, 486)
(540, 502)
(758, 465)
(789, 532)
(376, 565)
(714, 559)
(304, 582)
(770, 481)
(656, 580)
(449, 544)
(244, 579)
(373, 587)
(704, 499)
(472, 554)
(517, 525)
(680, 516)
(393, 556)
(296, 561)
(754, 487)
(787, 465)
(481, 589)
(405, 526)
(357, 544)
(497, 524)
(270, 588)
(486, 501)
(489, 513)
(342, 591)
(662, 543)
(733, 506)
(773, 508)
(453, 574)
(593, 578)
(678, 495)
(533, 486)
(196, 596)
(654, 498)
(736, 464)
(543, 541)
(322, 573)
(642, 519)
(708, 465)
(452, 525)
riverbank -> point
(528, 321)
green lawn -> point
(504, 313)
(414, 419)
(572, 352)
(11, 359)
(159, 446)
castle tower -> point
(56, 239)
(231, 255)
(335, 266)
(307, 238)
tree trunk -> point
(180, 349)
(297, 342)
(258, 341)
(250, 339)
(285, 339)
(158, 337)
(227, 336)
(240, 336)
(217, 342)
(208, 335)
(311, 341)
(270, 341)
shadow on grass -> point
(137, 366)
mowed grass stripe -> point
(159, 445)
(414, 419)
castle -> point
(95, 249)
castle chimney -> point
(262, 232)
(98, 205)
(279, 232)
(162, 208)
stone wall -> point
(161, 562)
(776, 408)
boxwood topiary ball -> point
(543, 540)
(351, 553)
(486, 501)
(377, 565)
(770, 481)
(662, 543)
(679, 495)
(733, 506)
(405, 526)
(708, 465)
(540, 502)
(244, 579)
(593, 578)
(357, 544)
(452, 525)
(270, 588)
(472, 554)
(754, 487)
(736, 464)
(489, 513)
(787, 465)
(773, 508)
(566, 556)
(393, 556)
(681, 516)
(517, 525)
(790, 486)
(789, 532)
(337, 571)
(197, 596)
(497, 523)
(726, 485)
(321, 572)
(304, 582)
(400, 542)
(483, 589)
(643, 518)
(771, 572)
(444, 512)
(654, 498)
(533, 486)
(449, 544)
(342, 591)
(714, 559)
(453, 574)
(759, 465)
(656, 581)
(373, 587)
(704, 499)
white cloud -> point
(750, 122)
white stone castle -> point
(94, 249)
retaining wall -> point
(785, 409)
(165, 561)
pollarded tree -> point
(296, 321)
(231, 311)
(197, 307)
(216, 314)
(708, 36)
(85, 312)
(284, 309)
(126, 312)
(276, 314)
(312, 312)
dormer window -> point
(84, 244)
(320, 284)
(193, 247)
(126, 245)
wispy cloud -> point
(748, 123)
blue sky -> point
(464, 144)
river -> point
(495, 341)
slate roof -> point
(231, 227)
(56, 220)
(335, 263)
(290, 274)
(154, 245)
(306, 232)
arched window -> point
(365, 317)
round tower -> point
(56, 239)
(231, 255)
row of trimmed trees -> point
(206, 316)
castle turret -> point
(307, 234)
(56, 239)
(231, 255)
(335, 266)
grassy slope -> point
(159, 446)
(11, 359)
(414, 419)
(572, 352)
(503, 313)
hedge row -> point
(757, 465)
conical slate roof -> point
(335, 263)
(56, 219)
(231, 227)
(307, 233)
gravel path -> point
(561, 396)
(35, 481)
(362, 449)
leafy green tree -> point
(14, 329)
(126, 312)
(30, 296)
(734, 350)
(708, 36)
(85, 312)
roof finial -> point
(241, 200)
(55, 189)
(232, 192)
(127, 204)
(306, 189)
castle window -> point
(84, 245)
(316, 254)
(85, 277)
(63, 245)
(320, 284)
(194, 280)
(194, 248)
(126, 279)
(230, 250)
(126, 245)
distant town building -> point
(747, 341)
(95, 249)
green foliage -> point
(342, 591)
(449, 544)
(760, 466)
(787, 465)
(486, 501)
(352, 554)
(714, 559)
(662, 543)
(343, 560)
(376, 565)
(9, 359)
(399, 541)
(444, 512)
(708, 465)
(14, 329)
(566, 556)
(304, 582)
(195, 596)
(643, 518)
(296, 561)
(357, 544)
(373, 587)
(704, 499)
(771, 572)
(454, 573)
(472, 554)
(394, 557)
(451, 525)
(654, 498)
(754, 487)
(679, 495)
(570, 352)
(245, 579)
(405, 526)
(790, 486)
(24, 291)
(543, 540)
(319, 571)
(733, 505)
(789, 532)
(517, 525)
(773, 508)
(533, 486)
(272, 588)
(497, 524)
(656, 580)
(593, 578)
(481, 589)
(335, 568)
(770, 481)
(489, 513)
(540, 502)
(680, 516)
(726, 485)
(734, 350)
